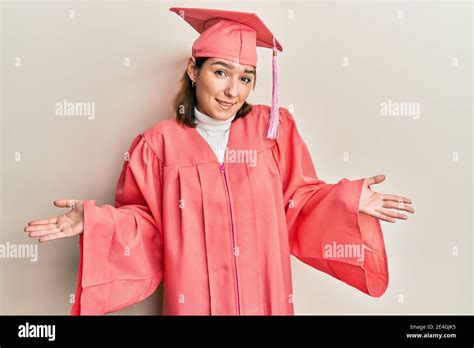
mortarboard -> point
(234, 36)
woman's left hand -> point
(379, 205)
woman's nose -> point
(231, 90)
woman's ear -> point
(191, 69)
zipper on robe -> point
(233, 236)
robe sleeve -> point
(121, 247)
(325, 228)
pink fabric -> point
(229, 40)
(172, 222)
(232, 35)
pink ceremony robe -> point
(220, 236)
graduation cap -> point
(234, 36)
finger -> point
(398, 205)
(375, 179)
(52, 220)
(388, 197)
(41, 233)
(384, 217)
(392, 214)
(52, 236)
(39, 227)
(65, 203)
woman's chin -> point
(222, 114)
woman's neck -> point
(211, 125)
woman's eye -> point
(218, 72)
(247, 79)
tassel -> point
(272, 131)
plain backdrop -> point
(341, 62)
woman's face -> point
(221, 86)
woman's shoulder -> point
(259, 118)
(259, 113)
(262, 111)
(169, 134)
(162, 126)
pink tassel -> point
(272, 131)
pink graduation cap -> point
(234, 36)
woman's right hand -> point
(67, 225)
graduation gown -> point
(220, 236)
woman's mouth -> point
(224, 105)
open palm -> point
(62, 226)
(380, 205)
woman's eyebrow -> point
(232, 67)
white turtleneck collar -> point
(210, 125)
(215, 132)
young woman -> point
(214, 201)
